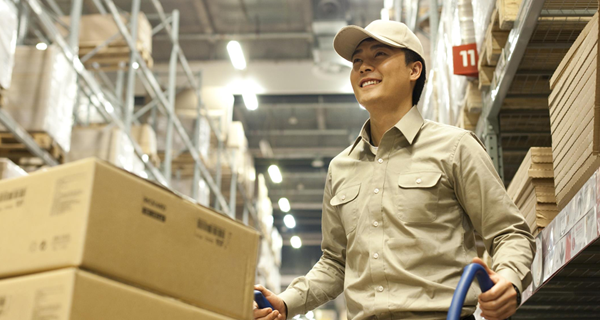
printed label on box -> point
(48, 303)
(152, 208)
(12, 200)
(212, 233)
(68, 192)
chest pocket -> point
(418, 196)
(346, 206)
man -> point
(401, 204)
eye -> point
(379, 53)
(356, 60)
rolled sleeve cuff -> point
(513, 277)
(294, 302)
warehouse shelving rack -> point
(120, 112)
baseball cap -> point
(393, 33)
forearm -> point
(323, 283)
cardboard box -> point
(9, 169)
(73, 294)
(92, 215)
(532, 188)
(42, 93)
(575, 116)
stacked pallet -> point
(575, 115)
(532, 189)
(96, 29)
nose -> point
(366, 67)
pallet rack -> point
(119, 111)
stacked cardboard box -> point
(42, 93)
(75, 294)
(532, 189)
(98, 218)
(575, 116)
(8, 41)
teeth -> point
(371, 82)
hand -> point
(500, 302)
(267, 314)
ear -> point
(415, 70)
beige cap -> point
(392, 33)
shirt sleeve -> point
(493, 214)
(325, 281)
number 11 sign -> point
(465, 59)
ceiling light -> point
(250, 100)
(284, 205)
(236, 55)
(41, 46)
(275, 174)
(296, 242)
(145, 158)
(385, 14)
(289, 221)
(135, 65)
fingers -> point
(487, 269)
(262, 289)
(266, 314)
(504, 306)
(500, 288)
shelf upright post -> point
(171, 95)
(218, 169)
(233, 184)
(76, 6)
(196, 139)
(130, 95)
(494, 148)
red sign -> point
(465, 59)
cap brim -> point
(349, 37)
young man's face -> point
(380, 77)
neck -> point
(382, 121)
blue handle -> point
(261, 301)
(485, 283)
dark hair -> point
(410, 57)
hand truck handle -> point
(471, 271)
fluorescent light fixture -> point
(41, 46)
(385, 14)
(250, 100)
(275, 174)
(284, 205)
(388, 4)
(135, 65)
(296, 242)
(289, 221)
(236, 55)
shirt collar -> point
(409, 125)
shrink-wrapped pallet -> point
(8, 41)
(42, 93)
(9, 169)
(575, 115)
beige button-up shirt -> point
(398, 224)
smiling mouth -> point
(369, 83)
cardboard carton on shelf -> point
(93, 215)
(74, 294)
(574, 115)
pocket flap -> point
(419, 180)
(345, 195)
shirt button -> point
(419, 181)
(380, 160)
(376, 190)
(380, 289)
(343, 196)
(375, 223)
(375, 255)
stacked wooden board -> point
(532, 189)
(471, 110)
(575, 116)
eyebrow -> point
(373, 47)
